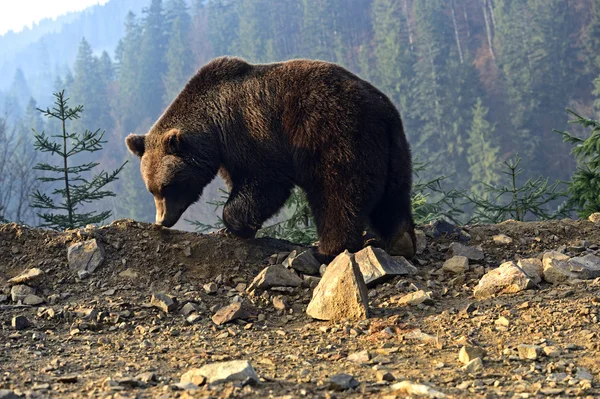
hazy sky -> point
(18, 13)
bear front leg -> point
(251, 203)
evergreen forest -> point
(476, 81)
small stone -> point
(19, 292)
(275, 276)
(33, 300)
(146, 377)
(421, 241)
(210, 288)
(342, 382)
(471, 253)
(3, 298)
(507, 278)
(403, 246)
(502, 239)
(469, 353)
(163, 302)
(193, 318)
(188, 308)
(87, 255)
(67, 379)
(584, 374)
(19, 323)
(360, 357)
(457, 264)
(377, 266)
(341, 293)
(305, 262)
(279, 302)
(552, 351)
(502, 321)
(533, 267)
(474, 366)
(529, 352)
(586, 267)
(187, 252)
(229, 313)
(129, 273)
(83, 274)
(415, 390)
(384, 375)
(215, 373)
(311, 281)
(594, 217)
(416, 298)
(29, 276)
(440, 228)
(8, 394)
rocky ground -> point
(158, 313)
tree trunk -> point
(487, 27)
(457, 36)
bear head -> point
(173, 171)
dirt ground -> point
(100, 338)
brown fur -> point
(266, 128)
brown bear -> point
(267, 128)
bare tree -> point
(17, 176)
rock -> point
(533, 267)
(193, 318)
(457, 264)
(20, 292)
(184, 386)
(559, 268)
(474, 366)
(529, 352)
(231, 312)
(441, 228)
(502, 322)
(30, 275)
(33, 300)
(67, 379)
(384, 375)
(416, 298)
(469, 353)
(188, 308)
(305, 262)
(341, 293)
(360, 357)
(342, 382)
(8, 394)
(163, 302)
(552, 351)
(421, 241)
(146, 377)
(87, 255)
(377, 266)
(502, 239)
(412, 389)
(594, 217)
(279, 302)
(586, 267)
(403, 246)
(471, 253)
(507, 278)
(83, 274)
(3, 298)
(311, 281)
(20, 322)
(215, 373)
(130, 274)
(584, 374)
(274, 276)
(210, 288)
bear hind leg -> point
(392, 217)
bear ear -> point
(172, 141)
(136, 144)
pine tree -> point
(482, 154)
(78, 191)
(223, 25)
(152, 65)
(179, 55)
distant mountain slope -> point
(51, 46)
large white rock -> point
(507, 278)
(341, 293)
(215, 373)
(377, 266)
